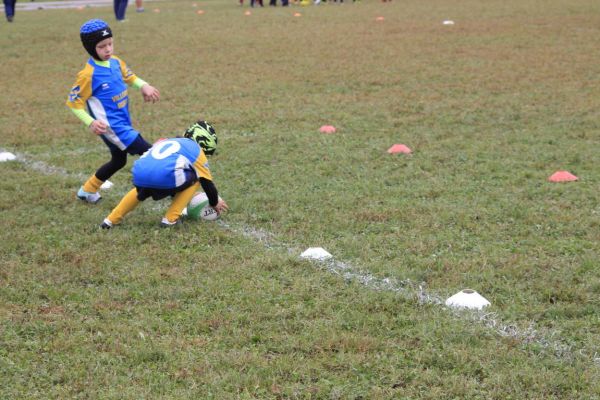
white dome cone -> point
(6, 156)
(316, 253)
(467, 298)
(106, 185)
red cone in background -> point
(562, 176)
(399, 148)
(327, 129)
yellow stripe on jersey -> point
(82, 89)
(201, 167)
(128, 76)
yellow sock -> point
(181, 200)
(92, 185)
(127, 204)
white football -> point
(198, 208)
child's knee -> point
(119, 161)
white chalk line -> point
(53, 5)
(44, 168)
(549, 341)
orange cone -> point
(562, 176)
(399, 148)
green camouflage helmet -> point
(204, 134)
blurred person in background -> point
(139, 5)
(120, 7)
(9, 9)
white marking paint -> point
(78, 4)
(44, 168)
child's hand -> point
(150, 93)
(98, 127)
(221, 206)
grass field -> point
(491, 107)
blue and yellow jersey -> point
(170, 163)
(102, 86)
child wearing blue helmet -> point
(102, 86)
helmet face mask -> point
(204, 134)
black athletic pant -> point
(119, 157)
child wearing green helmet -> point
(175, 167)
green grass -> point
(491, 107)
